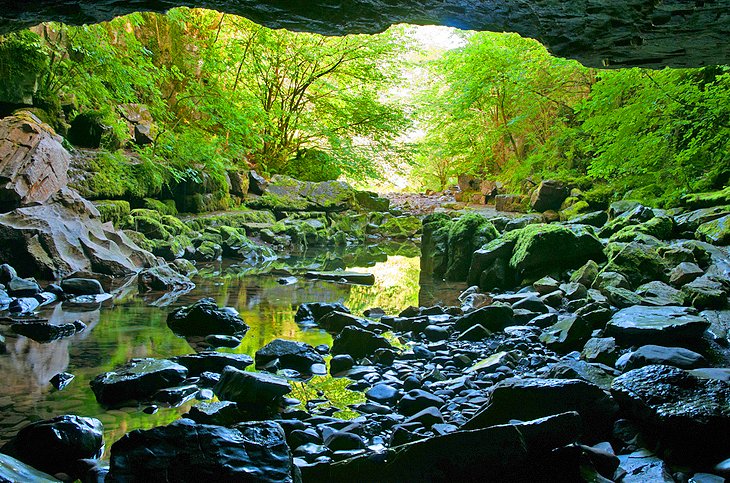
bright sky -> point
(437, 37)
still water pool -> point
(135, 326)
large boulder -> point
(203, 318)
(64, 236)
(466, 234)
(689, 414)
(511, 203)
(548, 195)
(33, 163)
(54, 445)
(434, 244)
(185, 451)
(284, 193)
(659, 325)
(716, 231)
(542, 249)
(527, 399)
(137, 380)
(510, 452)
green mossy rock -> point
(235, 219)
(542, 249)
(208, 251)
(369, 201)
(166, 207)
(621, 219)
(174, 248)
(174, 225)
(704, 200)
(401, 227)
(151, 228)
(288, 194)
(434, 244)
(574, 210)
(113, 210)
(140, 240)
(469, 232)
(586, 274)
(660, 227)
(638, 262)
(716, 231)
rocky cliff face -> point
(677, 33)
(48, 230)
(33, 163)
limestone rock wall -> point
(598, 33)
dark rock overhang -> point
(598, 33)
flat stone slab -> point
(639, 324)
(349, 277)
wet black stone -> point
(341, 363)
(204, 318)
(137, 380)
(212, 361)
(492, 317)
(417, 400)
(316, 310)
(21, 287)
(689, 414)
(82, 286)
(55, 444)
(61, 380)
(358, 342)
(250, 387)
(44, 331)
(185, 451)
(526, 399)
(289, 354)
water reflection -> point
(129, 327)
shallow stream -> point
(129, 327)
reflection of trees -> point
(396, 286)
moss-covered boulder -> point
(704, 200)
(434, 244)
(369, 201)
(490, 264)
(236, 244)
(288, 194)
(660, 227)
(165, 207)
(235, 219)
(638, 262)
(631, 216)
(574, 210)
(115, 211)
(400, 227)
(543, 249)
(173, 248)
(467, 233)
(716, 231)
